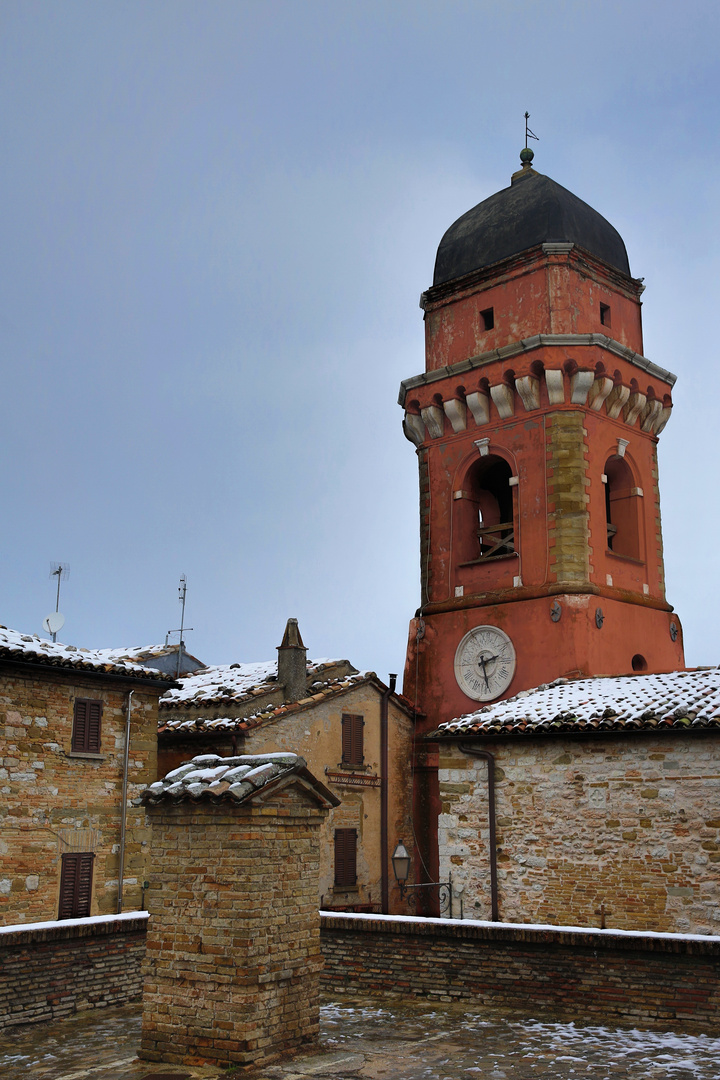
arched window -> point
(484, 512)
(622, 509)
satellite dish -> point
(53, 622)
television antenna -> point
(55, 621)
(182, 593)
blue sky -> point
(217, 220)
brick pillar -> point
(233, 951)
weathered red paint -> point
(540, 293)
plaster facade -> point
(557, 394)
(312, 728)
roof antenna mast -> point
(182, 592)
(55, 621)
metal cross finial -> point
(528, 133)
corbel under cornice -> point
(538, 341)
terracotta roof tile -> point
(234, 779)
(679, 700)
(28, 648)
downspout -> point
(384, 755)
(488, 757)
(123, 808)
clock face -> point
(484, 663)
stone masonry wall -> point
(233, 961)
(598, 975)
(54, 801)
(48, 972)
(630, 824)
(568, 498)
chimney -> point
(292, 664)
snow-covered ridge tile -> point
(212, 776)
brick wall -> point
(233, 961)
(47, 972)
(652, 980)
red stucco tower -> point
(536, 423)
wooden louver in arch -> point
(76, 885)
(345, 857)
(86, 726)
(352, 739)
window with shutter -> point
(86, 726)
(76, 885)
(352, 739)
(345, 857)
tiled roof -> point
(235, 779)
(28, 648)
(137, 653)
(234, 683)
(317, 692)
(680, 700)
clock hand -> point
(482, 661)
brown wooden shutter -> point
(93, 736)
(76, 885)
(352, 739)
(79, 735)
(83, 894)
(345, 857)
(86, 726)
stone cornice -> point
(537, 341)
(524, 262)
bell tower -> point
(536, 423)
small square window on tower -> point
(487, 319)
(86, 726)
(605, 315)
(352, 739)
(345, 858)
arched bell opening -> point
(622, 509)
(484, 518)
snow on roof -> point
(137, 653)
(680, 700)
(211, 777)
(317, 691)
(31, 648)
(231, 682)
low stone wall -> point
(49, 970)
(650, 979)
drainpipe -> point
(488, 757)
(384, 878)
(123, 808)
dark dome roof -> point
(533, 210)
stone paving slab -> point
(378, 1039)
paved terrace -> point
(378, 1039)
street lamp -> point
(401, 866)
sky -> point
(217, 220)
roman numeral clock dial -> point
(485, 663)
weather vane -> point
(528, 133)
